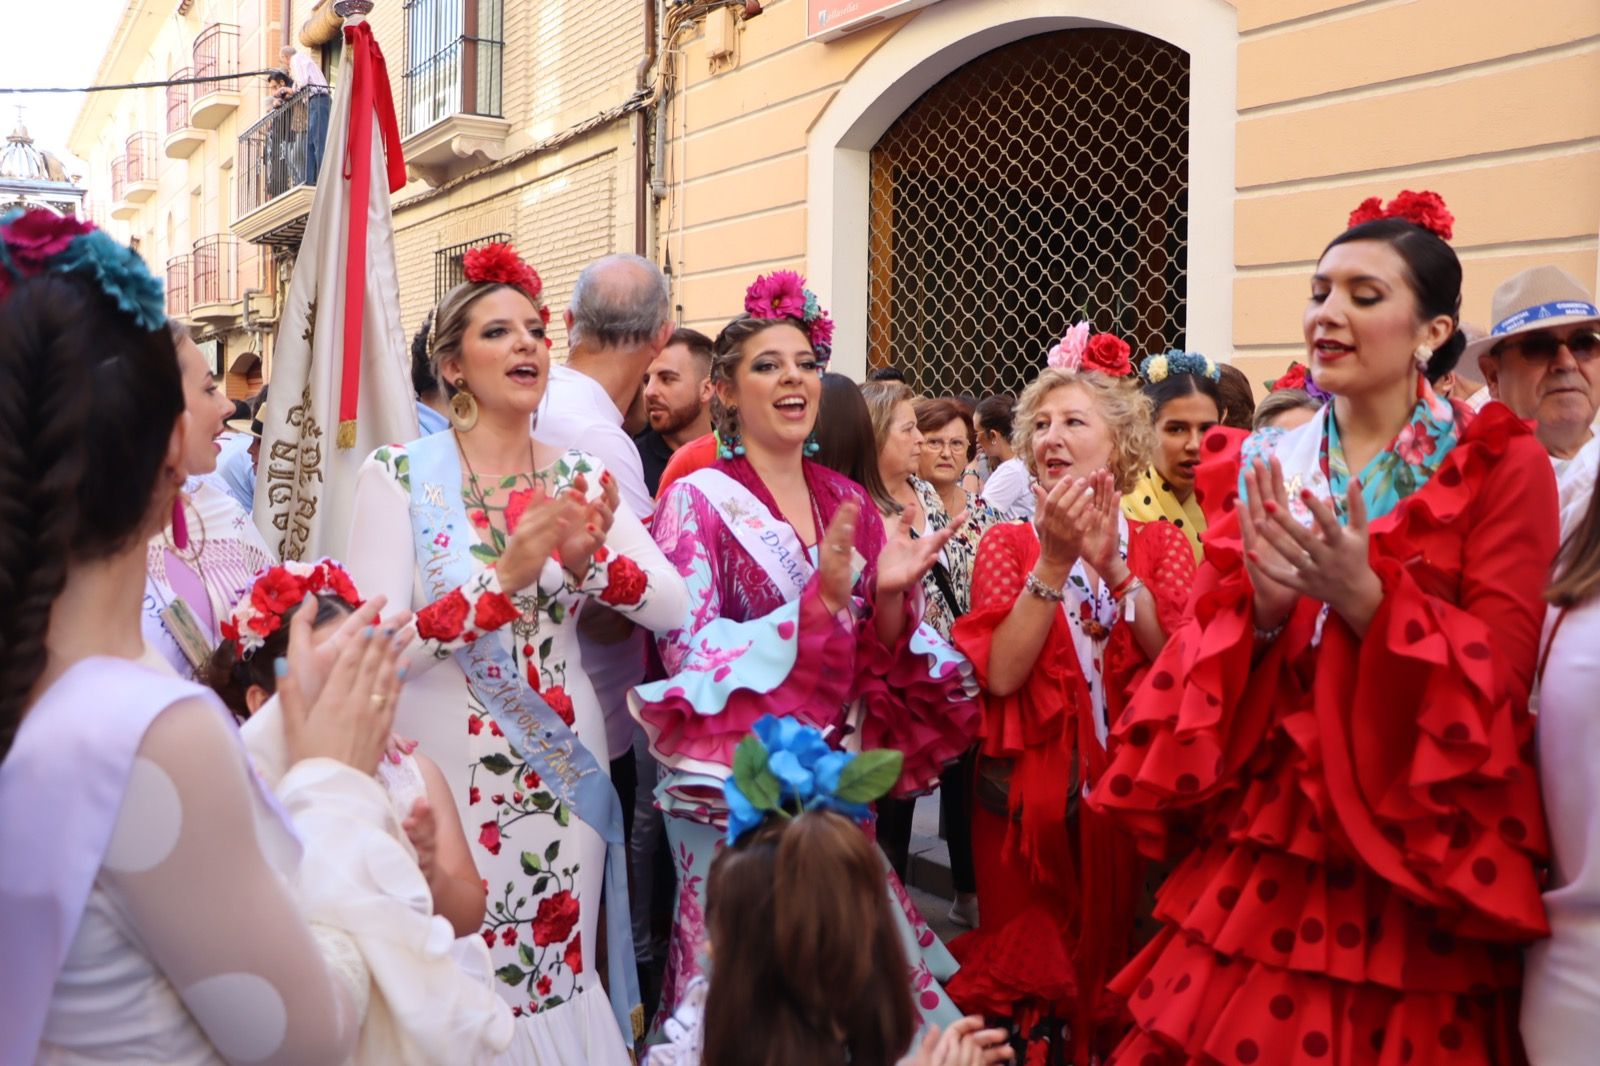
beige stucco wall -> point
(1330, 102)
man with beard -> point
(677, 395)
(1542, 360)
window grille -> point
(178, 102)
(216, 51)
(447, 268)
(454, 52)
(178, 286)
(1043, 182)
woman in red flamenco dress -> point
(1336, 740)
(1066, 612)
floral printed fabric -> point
(1403, 467)
(542, 865)
(959, 554)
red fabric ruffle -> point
(1362, 821)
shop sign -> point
(827, 19)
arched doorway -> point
(1043, 181)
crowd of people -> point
(1259, 729)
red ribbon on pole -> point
(370, 95)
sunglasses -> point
(1584, 345)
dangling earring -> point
(1422, 355)
(180, 524)
(812, 447)
(729, 444)
(463, 407)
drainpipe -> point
(641, 138)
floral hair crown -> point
(783, 294)
(1158, 368)
(38, 242)
(1298, 376)
(1102, 353)
(276, 591)
(786, 768)
(1425, 209)
(500, 264)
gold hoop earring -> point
(463, 408)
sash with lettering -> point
(546, 742)
(770, 542)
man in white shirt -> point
(308, 78)
(1009, 490)
(1542, 360)
(619, 320)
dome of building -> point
(20, 160)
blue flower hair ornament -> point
(787, 768)
(1158, 368)
(32, 242)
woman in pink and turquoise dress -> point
(801, 605)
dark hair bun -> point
(1446, 356)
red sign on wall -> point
(827, 19)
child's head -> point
(256, 635)
(808, 969)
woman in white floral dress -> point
(497, 541)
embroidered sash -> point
(1102, 607)
(770, 541)
(543, 740)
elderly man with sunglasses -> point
(1542, 359)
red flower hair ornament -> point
(1099, 353)
(499, 264)
(276, 591)
(1425, 209)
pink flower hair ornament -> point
(783, 294)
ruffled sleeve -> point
(725, 672)
(1160, 556)
(917, 695)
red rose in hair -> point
(276, 591)
(34, 236)
(338, 582)
(444, 619)
(230, 631)
(573, 956)
(489, 836)
(560, 702)
(1369, 210)
(1293, 378)
(625, 583)
(494, 610)
(517, 503)
(500, 264)
(1107, 353)
(553, 922)
(1425, 209)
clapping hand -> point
(311, 658)
(588, 530)
(1285, 560)
(905, 559)
(543, 525)
(835, 575)
(1062, 517)
(965, 1043)
(1098, 537)
(350, 717)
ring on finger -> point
(378, 699)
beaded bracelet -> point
(1041, 590)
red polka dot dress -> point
(1058, 885)
(1358, 821)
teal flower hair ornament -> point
(35, 241)
(787, 768)
(1158, 368)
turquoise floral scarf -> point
(1404, 466)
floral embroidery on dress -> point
(959, 554)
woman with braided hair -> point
(145, 914)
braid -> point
(87, 404)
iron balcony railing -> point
(284, 149)
(214, 271)
(119, 178)
(141, 156)
(454, 56)
(216, 51)
(178, 101)
(177, 286)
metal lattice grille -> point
(1043, 182)
(448, 271)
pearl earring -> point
(1422, 355)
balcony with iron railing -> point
(121, 207)
(216, 53)
(183, 137)
(178, 286)
(451, 119)
(277, 165)
(141, 168)
(215, 292)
